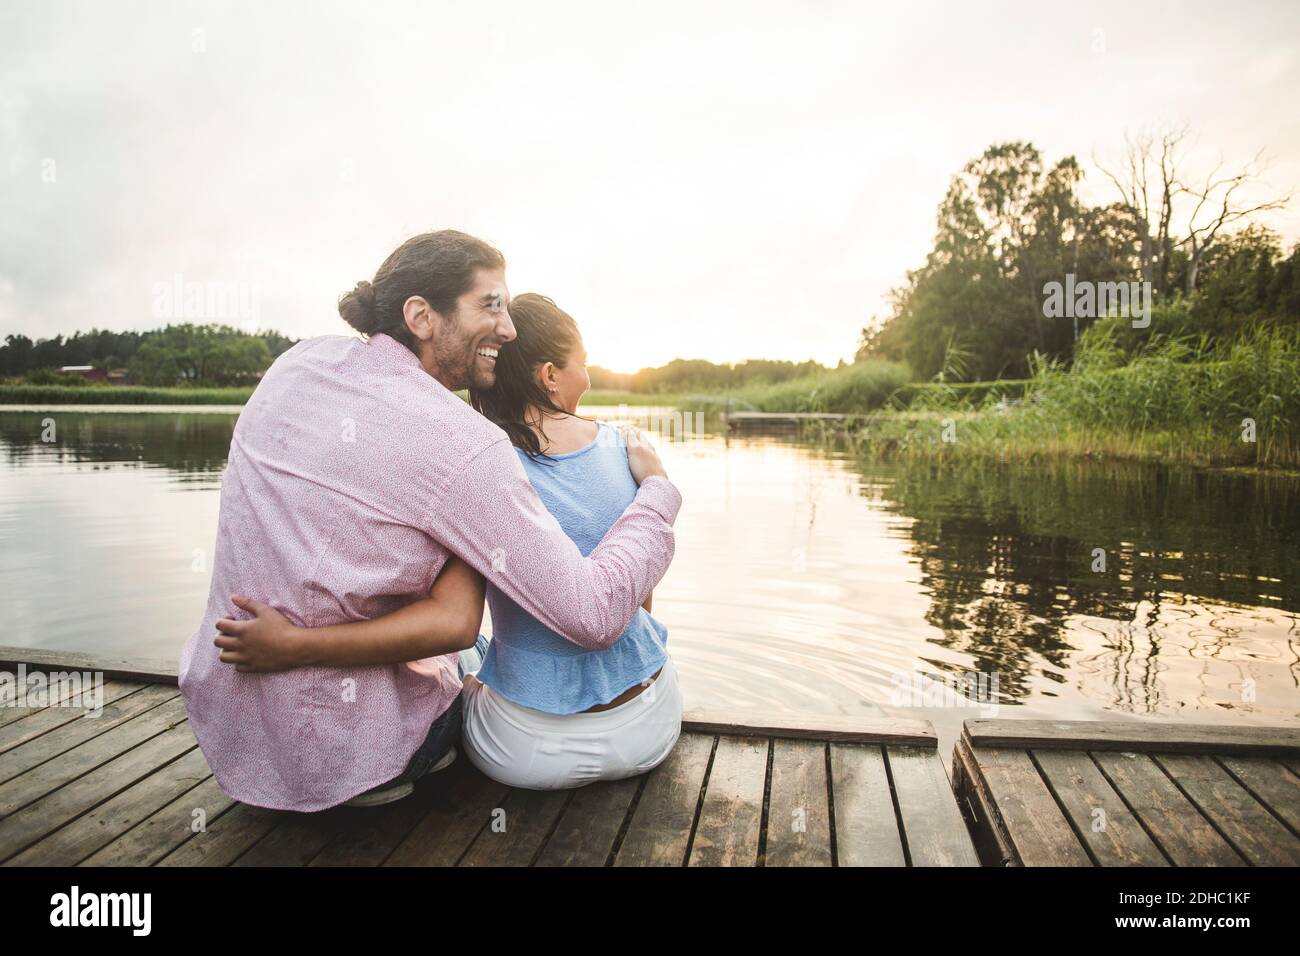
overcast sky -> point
(718, 180)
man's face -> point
(466, 343)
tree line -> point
(187, 354)
(685, 375)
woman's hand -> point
(267, 643)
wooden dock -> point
(1096, 793)
(130, 787)
(127, 787)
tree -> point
(1005, 226)
(1245, 279)
(199, 355)
(1174, 211)
(16, 355)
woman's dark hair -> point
(438, 266)
(543, 333)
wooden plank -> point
(9, 714)
(1271, 783)
(932, 824)
(1109, 829)
(866, 827)
(75, 734)
(49, 775)
(92, 831)
(226, 838)
(1093, 735)
(150, 841)
(517, 829)
(590, 824)
(865, 729)
(1243, 820)
(664, 819)
(1023, 811)
(916, 733)
(296, 839)
(43, 720)
(976, 806)
(1178, 827)
(462, 803)
(41, 817)
(798, 817)
(141, 669)
(367, 836)
(731, 817)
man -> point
(354, 474)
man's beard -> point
(480, 378)
(458, 365)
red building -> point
(88, 372)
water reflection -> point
(806, 580)
(189, 444)
(1150, 590)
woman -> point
(541, 712)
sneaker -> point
(446, 761)
(375, 798)
(398, 791)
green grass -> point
(861, 387)
(1032, 435)
(1176, 401)
(927, 395)
(1186, 388)
(855, 389)
(606, 396)
(11, 394)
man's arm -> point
(492, 518)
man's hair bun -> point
(358, 308)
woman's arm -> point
(447, 621)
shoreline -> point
(889, 435)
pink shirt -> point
(352, 475)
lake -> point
(807, 581)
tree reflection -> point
(1007, 555)
(188, 444)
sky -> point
(719, 180)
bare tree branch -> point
(1214, 204)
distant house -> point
(117, 376)
(88, 372)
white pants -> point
(528, 748)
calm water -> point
(805, 581)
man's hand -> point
(268, 642)
(641, 455)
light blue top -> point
(587, 491)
